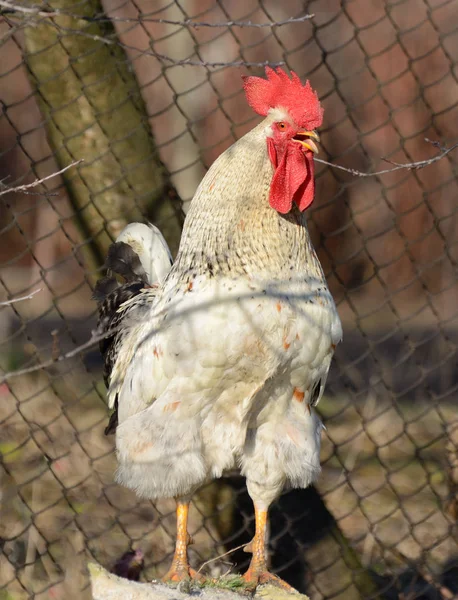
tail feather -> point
(124, 261)
(141, 257)
(103, 288)
(148, 243)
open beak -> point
(305, 138)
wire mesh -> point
(381, 522)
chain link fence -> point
(148, 94)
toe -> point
(253, 579)
(176, 575)
(276, 581)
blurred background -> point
(148, 94)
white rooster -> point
(219, 365)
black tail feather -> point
(124, 264)
(110, 294)
(124, 261)
(113, 422)
(103, 288)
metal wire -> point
(381, 522)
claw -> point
(253, 579)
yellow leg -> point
(180, 569)
(257, 571)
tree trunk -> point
(94, 111)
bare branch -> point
(421, 164)
(197, 24)
(13, 29)
(93, 340)
(11, 8)
(14, 300)
(207, 562)
(151, 52)
(27, 186)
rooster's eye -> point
(281, 125)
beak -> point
(305, 138)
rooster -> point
(218, 365)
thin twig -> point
(14, 28)
(421, 164)
(12, 8)
(27, 186)
(207, 562)
(94, 339)
(14, 300)
(197, 24)
(141, 51)
(185, 62)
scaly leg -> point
(257, 571)
(180, 569)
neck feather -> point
(232, 230)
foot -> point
(180, 569)
(176, 574)
(254, 578)
(257, 573)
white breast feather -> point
(225, 358)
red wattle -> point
(293, 178)
(306, 192)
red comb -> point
(278, 90)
